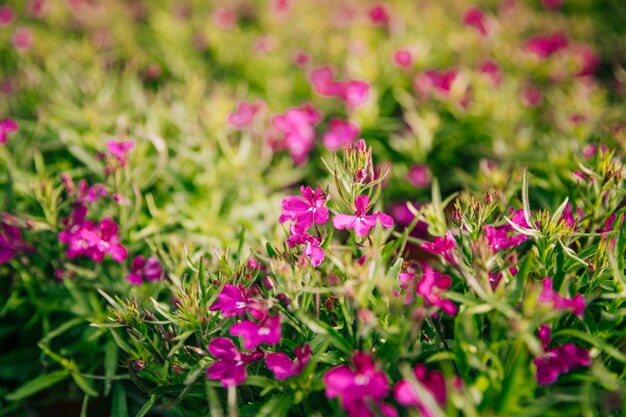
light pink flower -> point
(435, 81)
(22, 39)
(244, 115)
(361, 222)
(402, 58)
(340, 133)
(492, 71)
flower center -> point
(264, 331)
(361, 379)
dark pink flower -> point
(574, 305)
(119, 150)
(6, 15)
(587, 60)
(22, 39)
(379, 14)
(496, 277)
(361, 222)
(439, 82)
(492, 71)
(531, 96)
(7, 126)
(442, 247)
(356, 387)
(557, 361)
(244, 115)
(352, 92)
(474, 17)
(545, 46)
(433, 381)
(149, 269)
(340, 133)
(430, 287)
(300, 58)
(37, 8)
(305, 210)
(11, 241)
(402, 58)
(499, 239)
(297, 125)
(283, 367)
(419, 175)
(254, 334)
(312, 249)
(230, 368)
(236, 301)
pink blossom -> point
(587, 60)
(297, 125)
(6, 15)
(360, 222)
(254, 334)
(353, 92)
(419, 175)
(531, 96)
(300, 58)
(312, 249)
(305, 210)
(119, 150)
(283, 367)
(37, 8)
(590, 150)
(22, 39)
(340, 133)
(492, 71)
(224, 18)
(545, 46)
(574, 305)
(474, 17)
(235, 301)
(430, 287)
(499, 239)
(379, 14)
(11, 241)
(442, 247)
(433, 381)
(557, 361)
(244, 115)
(149, 269)
(356, 387)
(230, 368)
(7, 126)
(496, 277)
(439, 82)
(402, 58)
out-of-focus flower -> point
(546, 45)
(557, 361)
(379, 14)
(361, 222)
(312, 249)
(419, 175)
(297, 125)
(430, 287)
(230, 368)
(149, 269)
(402, 58)
(492, 71)
(224, 18)
(353, 92)
(7, 126)
(11, 240)
(499, 239)
(552, 4)
(439, 82)
(22, 39)
(6, 15)
(575, 305)
(531, 96)
(433, 381)
(340, 133)
(442, 247)
(120, 150)
(243, 117)
(268, 332)
(475, 17)
(283, 367)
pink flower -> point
(439, 82)
(230, 369)
(545, 46)
(22, 39)
(442, 247)
(235, 301)
(587, 60)
(474, 17)
(574, 305)
(297, 125)
(244, 115)
(379, 14)
(283, 367)
(305, 210)
(496, 277)
(352, 92)
(254, 334)
(120, 150)
(149, 269)
(355, 93)
(356, 387)
(224, 18)
(11, 241)
(7, 126)
(590, 150)
(360, 222)
(6, 15)
(531, 96)
(499, 239)
(558, 360)
(492, 71)
(340, 133)
(419, 175)
(433, 381)
(430, 287)
(300, 58)
(402, 58)
(312, 249)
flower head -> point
(11, 241)
(442, 247)
(7, 126)
(244, 115)
(575, 305)
(352, 92)
(305, 210)
(340, 133)
(312, 249)
(419, 175)
(235, 301)
(283, 367)
(402, 58)
(254, 334)
(361, 222)
(430, 287)
(149, 269)
(230, 368)
(297, 125)
(434, 382)
(6, 15)
(545, 46)
(119, 150)
(557, 361)
(474, 17)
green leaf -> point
(118, 402)
(40, 383)
(147, 406)
(85, 385)
(110, 364)
(276, 407)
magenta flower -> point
(244, 115)
(230, 368)
(492, 71)
(6, 15)
(236, 301)
(379, 14)
(402, 58)
(430, 287)
(254, 334)
(499, 239)
(312, 249)
(283, 367)
(439, 82)
(22, 39)
(352, 92)
(355, 93)
(574, 305)
(474, 17)
(11, 241)
(305, 210)
(557, 361)
(297, 125)
(7, 126)
(360, 222)
(120, 150)
(433, 381)
(340, 133)
(149, 269)
(442, 247)
(545, 46)
(419, 175)
(356, 387)
(532, 96)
